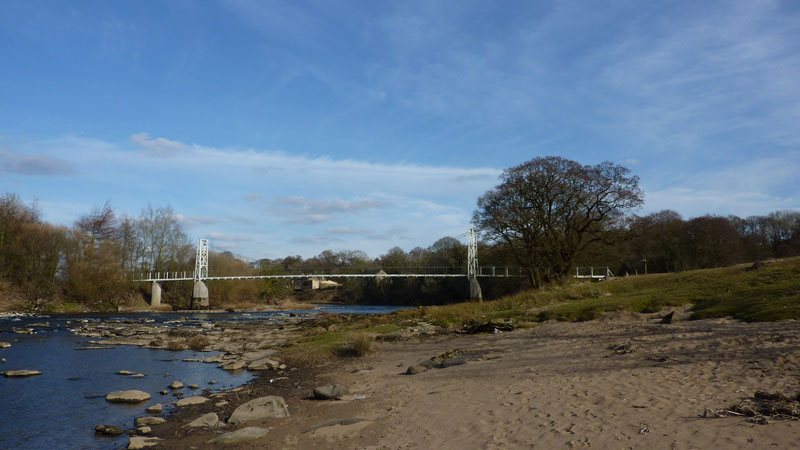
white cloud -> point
(159, 147)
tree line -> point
(546, 216)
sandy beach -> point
(624, 382)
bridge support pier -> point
(155, 295)
(199, 295)
(475, 289)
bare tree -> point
(548, 209)
(164, 242)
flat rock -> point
(329, 392)
(263, 364)
(192, 401)
(155, 409)
(139, 442)
(144, 430)
(259, 408)
(137, 375)
(234, 365)
(176, 385)
(5, 344)
(193, 386)
(132, 396)
(110, 430)
(125, 372)
(210, 420)
(255, 356)
(148, 421)
(243, 435)
(21, 373)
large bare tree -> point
(548, 209)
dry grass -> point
(361, 343)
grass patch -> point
(769, 293)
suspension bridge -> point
(472, 272)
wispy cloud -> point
(33, 164)
(191, 221)
(158, 147)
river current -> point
(60, 408)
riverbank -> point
(624, 381)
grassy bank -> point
(766, 292)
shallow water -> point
(61, 407)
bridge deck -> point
(334, 275)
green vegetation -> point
(771, 292)
(764, 292)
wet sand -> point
(625, 382)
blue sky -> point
(277, 128)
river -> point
(61, 407)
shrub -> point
(362, 344)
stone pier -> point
(155, 295)
(475, 290)
(200, 295)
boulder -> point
(175, 385)
(163, 392)
(192, 401)
(144, 430)
(132, 396)
(21, 373)
(5, 344)
(193, 386)
(155, 409)
(243, 435)
(259, 408)
(329, 392)
(140, 442)
(110, 430)
(148, 421)
(210, 420)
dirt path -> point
(558, 385)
